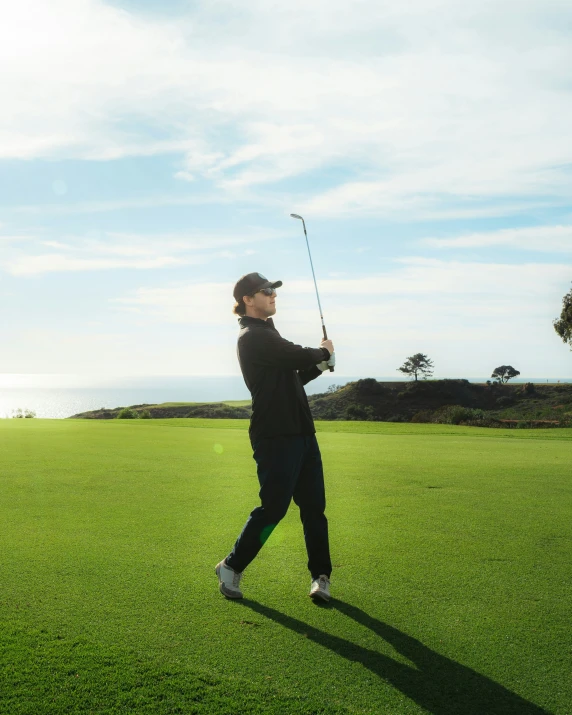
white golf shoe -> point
(320, 589)
(228, 581)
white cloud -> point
(82, 207)
(466, 315)
(533, 238)
(40, 350)
(426, 102)
(130, 351)
(15, 239)
(46, 381)
(422, 276)
(196, 303)
(185, 176)
(484, 290)
(33, 265)
(127, 251)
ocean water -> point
(62, 402)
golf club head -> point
(301, 219)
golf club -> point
(314, 276)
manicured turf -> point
(234, 403)
(452, 573)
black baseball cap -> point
(251, 283)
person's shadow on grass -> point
(436, 683)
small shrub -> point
(328, 414)
(127, 414)
(418, 386)
(20, 414)
(528, 388)
(477, 414)
(359, 412)
(504, 401)
(449, 415)
(421, 416)
(144, 415)
(369, 386)
(483, 422)
(218, 411)
(457, 414)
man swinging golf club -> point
(282, 435)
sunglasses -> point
(266, 291)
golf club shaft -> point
(315, 283)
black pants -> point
(288, 467)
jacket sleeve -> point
(310, 374)
(268, 348)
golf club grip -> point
(325, 338)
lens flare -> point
(265, 533)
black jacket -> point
(275, 371)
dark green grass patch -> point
(47, 674)
(451, 550)
(232, 403)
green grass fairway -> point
(232, 403)
(452, 573)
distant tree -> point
(564, 326)
(417, 364)
(504, 373)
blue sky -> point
(151, 153)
